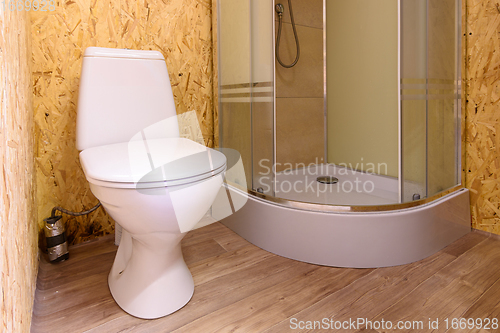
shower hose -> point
(280, 10)
(65, 211)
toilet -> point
(153, 183)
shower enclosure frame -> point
(366, 236)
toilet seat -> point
(151, 163)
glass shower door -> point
(443, 91)
(246, 87)
(235, 108)
(430, 97)
(262, 16)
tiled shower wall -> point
(300, 120)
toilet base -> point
(149, 278)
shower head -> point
(279, 9)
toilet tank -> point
(123, 93)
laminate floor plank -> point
(465, 243)
(80, 320)
(202, 250)
(227, 263)
(216, 294)
(368, 296)
(208, 232)
(79, 290)
(270, 306)
(452, 290)
(434, 299)
(487, 306)
(477, 267)
(240, 287)
(231, 242)
(68, 272)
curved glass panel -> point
(373, 101)
(246, 86)
(430, 96)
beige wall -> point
(18, 228)
(300, 120)
(362, 78)
(180, 29)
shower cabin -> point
(353, 154)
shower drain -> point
(327, 180)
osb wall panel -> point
(18, 237)
(482, 133)
(180, 29)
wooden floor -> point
(239, 287)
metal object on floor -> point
(55, 236)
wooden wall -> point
(482, 91)
(18, 229)
(180, 29)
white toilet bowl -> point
(149, 278)
(153, 183)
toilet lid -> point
(167, 161)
